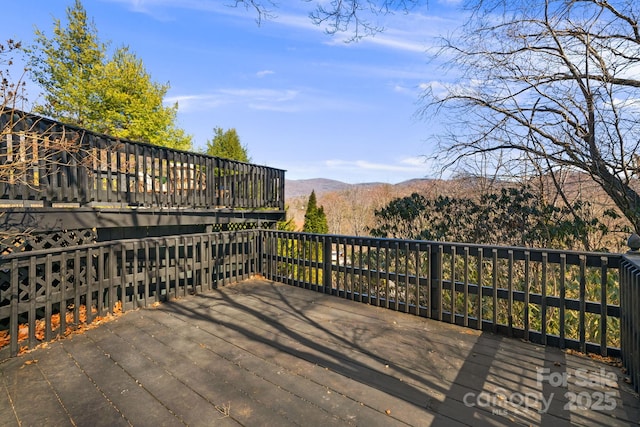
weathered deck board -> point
(260, 353)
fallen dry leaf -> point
(76, 322)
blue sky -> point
(300, 100)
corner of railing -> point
(630, 311)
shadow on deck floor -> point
(265, 354)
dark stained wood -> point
(260, 353)
(102, 181)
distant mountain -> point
(303, 187)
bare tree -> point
(359, 18)
(556, 80)
(31, 147)
(12, 90)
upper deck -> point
(59, 177)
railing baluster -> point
(453, 285)
(510, 294)
(543, 304)
(479, 306)
(378, 275)
(603, 306)
(527, 266)
(494, 290)
(48, 309)
(387, 275)
(63, 293)
(14, 325)
(466, 286)
(583, 303)
(90, 281)
(417, 277)
(563, 293)
(100, 281)
(32, 302)
(147, 268)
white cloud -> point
(406, 165)
(409, 32)
(231, 96)
(359, 171)
(263, 73)
(283, 100)
(195, 102)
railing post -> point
(260, 255)
(435, 282)
(630, 316)
(327, 260)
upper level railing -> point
(46, 162)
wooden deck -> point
(260, 353)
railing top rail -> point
(52, 162)
(117, 243)
(613, 258)
(33, 120)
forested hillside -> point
(584, 219)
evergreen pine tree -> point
(116, 96)
(227, 145)
(315, 220)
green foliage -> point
(512, 216)
(115, 96)
(129, 105)
(315, 220)
(287, 224)
(226, 144)
(66, 64)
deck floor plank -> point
(260, 353)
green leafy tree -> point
(315, 220)
(82, 87)
(65, 65)
(287, 224)
(129, 104)
(510, 216)
(226, 144)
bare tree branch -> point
(556, 80)
(359, 18)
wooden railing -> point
(44, 292)
(558, 298)
(45, 162)
(630, 316)
(576, 300)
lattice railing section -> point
(53, 239)
(236, 226)
(44, 292)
